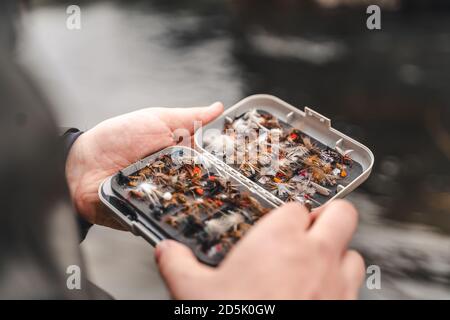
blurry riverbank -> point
(387, 89)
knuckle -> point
(359, 262)
(297, 213)
(293, 208)
(299, 208)
(324, 247)
(347, 208)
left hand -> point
(287, 254)
(118, 142)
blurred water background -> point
(388, 89)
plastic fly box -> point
(211, 210)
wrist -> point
(74, 172)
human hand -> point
(118, 142)
(288, 254)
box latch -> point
(313, 115)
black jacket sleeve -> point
(69, 137)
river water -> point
(386, 88)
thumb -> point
(188, 118)
(180, 268)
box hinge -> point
(252, 186)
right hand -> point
(289, 254)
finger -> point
(315, 213)
(179, 267)
(189, 118)
(335, 225)
(353, 273)
(292, 214)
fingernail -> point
(160, 247)
(216, 104)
